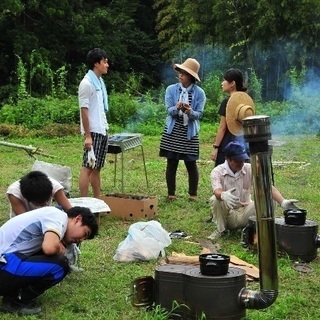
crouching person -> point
(231, 182)
(32, 248)
(35, 190)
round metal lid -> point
(232, 272)
(302, 267)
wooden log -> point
(287, 162)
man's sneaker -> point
(74, 268)
(216, 234)
(209, 220)
(12, 305)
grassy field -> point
(100, 291)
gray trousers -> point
(230, 219)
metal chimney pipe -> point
(257, 133)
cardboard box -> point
(131, 207)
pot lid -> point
(302, 267)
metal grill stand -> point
(119, 143)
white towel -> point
(99, 84)
(184, 97)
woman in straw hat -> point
(232, 82)
(184, 103)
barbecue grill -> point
(121, 142)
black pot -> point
(295, 217)
(213, 264)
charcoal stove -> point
(121, 142)
(296, 236)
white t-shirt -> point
(24, 233)
(92, 99)
(14, 189)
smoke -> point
(287, 80)
(302, 107)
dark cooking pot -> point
(295, 217)
(213, 264)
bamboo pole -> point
(29, 149)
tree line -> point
(43, 43)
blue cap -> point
(236, 150)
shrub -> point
(35, 113)
(272, 109)
(122, 106)
(137, 114)
(214, 94)
(60, 130)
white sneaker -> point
(216, 234)
(74, 268)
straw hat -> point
(191, 66)
(239, 106)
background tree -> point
(60, 33)
(266, 39)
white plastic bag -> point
(145, 241)
(55, 171)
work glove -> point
(91, 159)
(72, 253)
(230, 199)
(289, 204)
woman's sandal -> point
(171, 198)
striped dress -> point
(176, 145)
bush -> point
(36, 113)
(137, 114)
(9, 130)
(214, 94)
(60, 130)
(51, 131)
(122, 107)
(272, 109)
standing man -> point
(93, 103)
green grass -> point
(101, 291)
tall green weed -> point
(36, 113)
(146, 113)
